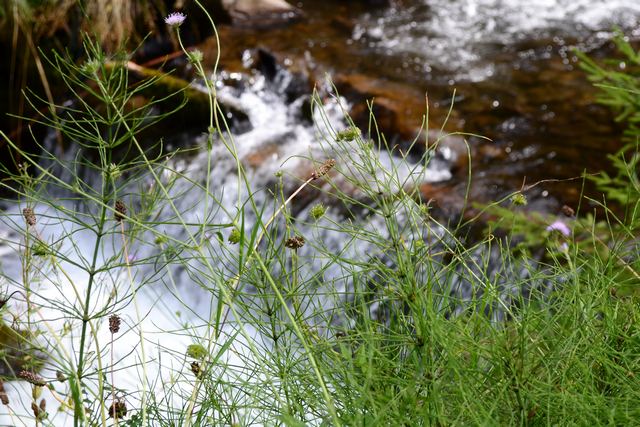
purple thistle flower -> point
(560, 227)
(175, 19)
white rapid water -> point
(173, 300)
(465, 36)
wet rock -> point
(379, 3)
(343, 24)
(488, 152)
(398, 109)
(290, 77)
(445, 199)
(269, 152)
(266, 63)
(261, 13)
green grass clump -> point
(405, 322)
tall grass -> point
(369, 312)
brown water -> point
(522, 89)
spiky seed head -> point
(121, 210)
(323, 169)
(32, 378)
(91, 67)
(196, 369)
(114, 323)
(197, 351)
(113, 171)
(295, 242)
(348, 134)
(118, 409)
(235, 236)
(29, 216)
(317, 211)
(519, 199)
(195, 56)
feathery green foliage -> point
(405, 323)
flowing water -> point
(466, 39)
(512, 66)
(174, 299)
(516, 80)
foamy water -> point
(464, 36)
(173, 300)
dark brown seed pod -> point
(196, 369)
(114, 323)
(29, 216)
(118, 409)
(32, 377)
(323, 169)
(35, 409)
(121, 210)
(295, 242)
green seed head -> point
(519, 199)
(234, 237)
(349, 134)
(195, 56)
(196, 351)
(318, 211)
(90, 67)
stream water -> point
(510, 62)
(516, 82)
